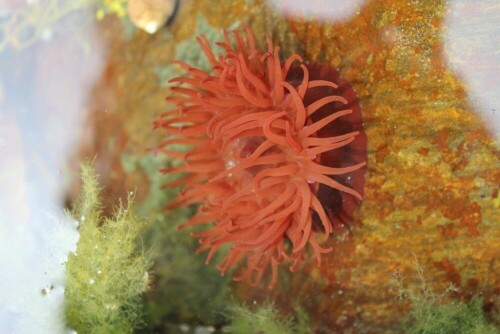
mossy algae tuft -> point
(432, 313)
(265, 319)
(109, 270)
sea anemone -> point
(277, 154)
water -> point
(85, 83)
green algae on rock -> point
(266, 319)
(109, 270)
(432, 312)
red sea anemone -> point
(278, 154)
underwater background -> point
(81, 85)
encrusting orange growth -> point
(255, 163)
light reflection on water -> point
(43, 95)
(471, 48)
(334, 10)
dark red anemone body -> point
(338, 205)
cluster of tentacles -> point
(255, 160)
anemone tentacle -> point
(254, 164)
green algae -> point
(451, 318)
(432, 313)
(265, 319)
(108, 273)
